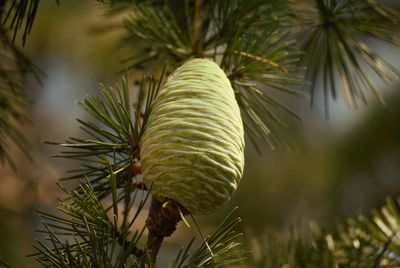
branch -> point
(197, 27)
(138, 253)
(261, 59)
(161, 222)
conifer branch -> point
(110, 171)
(332, 35)
(363, 241)
(240, 46)
(18, 15)
(14, 66)
(255, 43)
(14, 102)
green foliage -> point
(301, 246)
(221, 249)
(257, 41)
(365, 241)
(262, 46)
(86, 235)
(12, 112)
(14, 66)
(13, 97)
(89, 235)
(246, 38)
(113, 138)
(334, 36)
(18, 15)
(4, 264)
(275, 69)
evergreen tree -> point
(289, 46)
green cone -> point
(192, 148)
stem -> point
(161, 222)
(154, 244)
(197, 27)
(138, 253)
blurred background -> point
(342, 165)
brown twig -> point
(197, 27)
(138, 253)
(261, 59)
(161, 222)
(136, 168)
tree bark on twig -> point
(161, 222)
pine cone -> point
(192, 148)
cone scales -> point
(192, 148)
